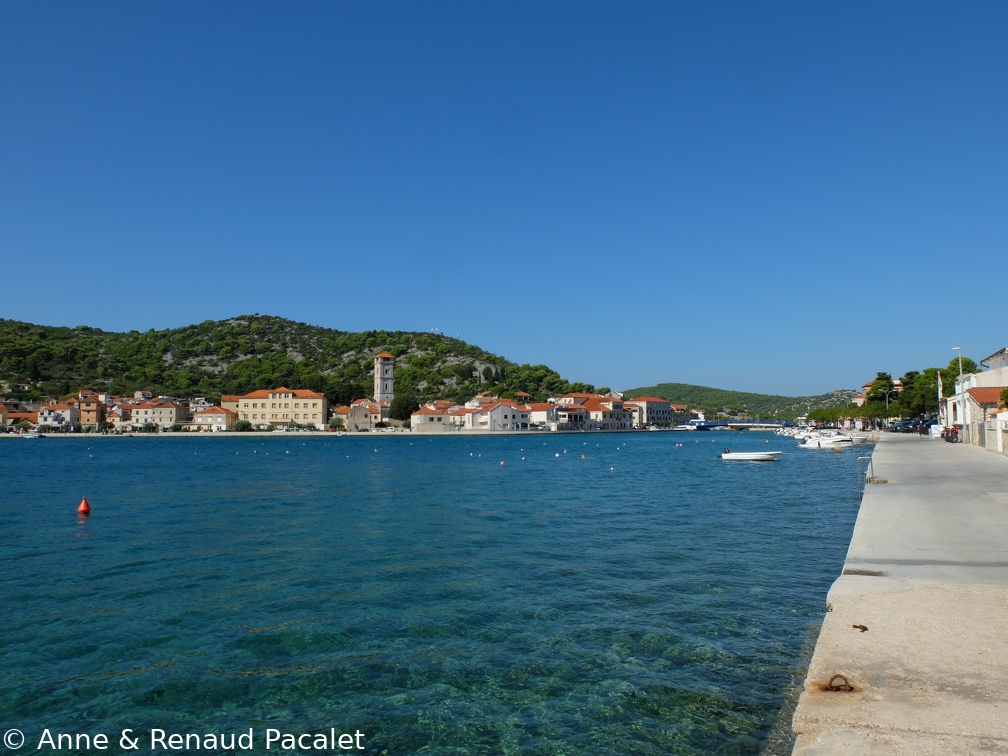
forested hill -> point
(250, 352)
(741, 404)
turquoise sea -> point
(595, 593)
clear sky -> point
(782, 197)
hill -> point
(249, 352)
(742, 405)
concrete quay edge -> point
(918, 620)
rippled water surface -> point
(627, 593)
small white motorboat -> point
(831, 440)
(763, 456)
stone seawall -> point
(912, 656)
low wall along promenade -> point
(913, 652)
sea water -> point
(542, 594)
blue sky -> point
(782, 197)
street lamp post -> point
(961, 402)
(890, 391)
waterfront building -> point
(118, 416)
(22, 416)
(60, 416)
(571, 417)
(342, 413)
(429, 419)
(92, 409)
(230, 402)
(364, 415)
(542, 415)
(158, 412)
(214, 419)
(607, 413)
(282, 407)
(499, 416)
(974, 402)
(650, 410)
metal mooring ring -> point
(833, 685)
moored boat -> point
(826, 441)
(763, 456)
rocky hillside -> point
(250, 352)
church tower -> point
(383, 379)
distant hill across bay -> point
(250, 352)
(740, 404)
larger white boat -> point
(831, 440)
(764, 456)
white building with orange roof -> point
(60, 416)
(283, 407)
(542, 415)
(483, 398)
(429, 419)
(576, 398)
(636, 414)
(653, 410)
(496, 417)
(608, 413)
(158, 412)
(214, 419)
(119, 416)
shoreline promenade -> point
(918, 620)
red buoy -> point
(84, 508)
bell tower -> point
(384, 382)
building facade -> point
(283, 407)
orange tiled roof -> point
(216, 411)
(986, 394)
(297, 393)
(430, 411)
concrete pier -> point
(918, 620)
